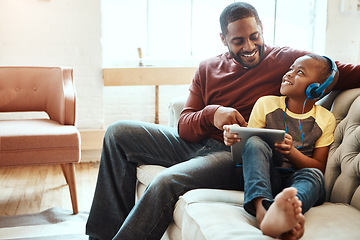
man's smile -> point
(250, 55)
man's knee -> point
(120, 132)
(165, 183)
(118, 128)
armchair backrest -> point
(48, 89)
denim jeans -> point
(263, 179)
(128, 144)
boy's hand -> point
(285, 146)
(230, 138)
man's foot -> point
(283, 215)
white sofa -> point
(218, 214)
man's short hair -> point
(236, 11)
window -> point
(183, 32)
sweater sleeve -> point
(349, 76)
(197, 119)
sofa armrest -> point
(343, 102)
(175, 107)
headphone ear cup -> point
(310, 91)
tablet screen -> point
(269, 135)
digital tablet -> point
(271, 136)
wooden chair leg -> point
(69, 174)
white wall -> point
(61, 33)
(343, 32)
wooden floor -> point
(25, 190)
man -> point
(223, 91)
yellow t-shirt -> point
(317, 125)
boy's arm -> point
(299, 160)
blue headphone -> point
(316, 90)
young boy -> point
(295, 176)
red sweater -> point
(221, 81)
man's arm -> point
(349, 76)
(198, 121)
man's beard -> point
(239, 58)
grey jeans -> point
(127, 144)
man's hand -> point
(228, 116)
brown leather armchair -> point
(54, 140)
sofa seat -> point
(231, 221)
(218, 214)
(219, 220)
(44, 139)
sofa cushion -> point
(45, 139)
(219, 220)
(332, 221)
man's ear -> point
(223, 39)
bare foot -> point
(260, 210)
(283, 215)
(296, 232)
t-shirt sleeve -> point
(258, 117)
(327, 125)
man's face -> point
(245, 41)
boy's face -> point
(245, 41)
(304, 71)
